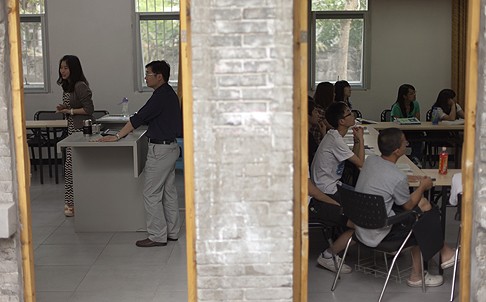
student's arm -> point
(358, 149)
(459, 111)
(314, 191)
(417, 195)
(452, 115)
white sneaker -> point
(430, 281)
(328, 263)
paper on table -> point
(404, 167)
(456, 122)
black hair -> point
(75, 73)
(389, 140)
(324, 94)
(339, 90)
(403, 92)
(335, 112)
(443, 100)
(160, 67)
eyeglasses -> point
(348, 115)
(150, 74)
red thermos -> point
(443, 160)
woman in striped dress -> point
(77, 104)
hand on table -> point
(61, 108)
(108, 138)
(426, 182)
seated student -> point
(449, 109)
(342, 92)
(315, 123)
(380, 176)
(324, 95)
(406, 105)
(326, 170)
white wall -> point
(410, 43)
(101, 34)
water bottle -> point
(435, 116)
(124, 103)
(443, 160)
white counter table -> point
(108, 182)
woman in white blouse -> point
(449, 109)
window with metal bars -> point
(157, 34)
(34, 46)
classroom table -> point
(443, 126)
(47, 125)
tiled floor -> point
(99, 267)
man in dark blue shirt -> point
(162, 114)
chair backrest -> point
(99, 113)
(365, 210)
(386, 115)
(357, 113)
(428, 115)
(48, 115)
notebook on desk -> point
(408, 121)
(365, 121)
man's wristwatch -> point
(117, 136)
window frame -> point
(335, 15)
(139, 64)
(41, 19)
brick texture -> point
(10, 260)
(242, 88)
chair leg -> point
(329, 241)
(455, 263)
(423, 272)
(393, 263)
(341, 264)
(34, 163)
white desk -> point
(107, 182)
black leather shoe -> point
(172, 239)
(149, 243)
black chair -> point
(436, 140)
(385, 115)
(369, 211)
(357, 113)
(99, 113)
(50, 138)
(458, 244)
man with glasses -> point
(162, 114)
(326, 171)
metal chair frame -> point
(369, 211)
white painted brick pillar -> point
(10, 259)
(242, 88)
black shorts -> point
(400, 230)
(327, 213)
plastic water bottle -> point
(435, 116)
(443, 160)
(124, 104)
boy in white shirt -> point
(326, 171)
